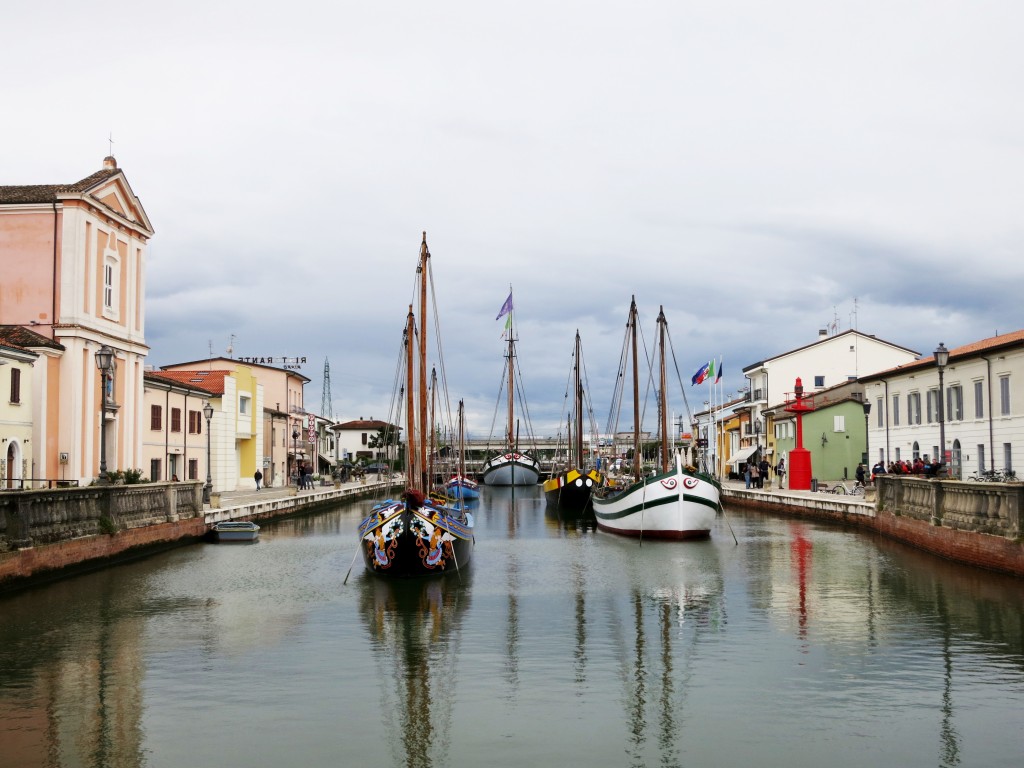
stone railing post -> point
(938, 501)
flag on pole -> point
(718, 376)
(701, 374)
(506, 307)
(711, 369)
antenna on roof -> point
(325, 398)
(231, 346)
(110, 140)
(209, 343)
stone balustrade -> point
(991, 508)
(31, 518)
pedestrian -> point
(780, 470)
(755, 475)
(764, 468)
(860, 474)
(307, 477)
(746, 474)
(258, 477)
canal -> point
(802, 645)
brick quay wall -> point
(976, 524)
(52, 534)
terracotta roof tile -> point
(208, 381)
(20, 336)
(47, 193)
(974, 349)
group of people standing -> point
(756, 472)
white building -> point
(981, 422)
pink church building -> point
(73, 266)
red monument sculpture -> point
(800, 457)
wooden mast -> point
(662, 398)
(424, 272)
(637, 458)
(578, 435)
(410, 410)
(511, 385)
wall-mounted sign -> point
(287, 363)
(62, 457)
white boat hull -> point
(674, 505)
(511, 468)
(237, 531)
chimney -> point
(109, 163)
(823, 333)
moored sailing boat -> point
(416, 535)
(673, 503)
(570, 489)
(511, 465)
(459, 486)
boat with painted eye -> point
(674, 502)
(569, 491)
(236, 530)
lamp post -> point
(941, 359)
(295, 454)
(105, 363)
(208, 413)
(867, 443)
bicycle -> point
(993, 476)
(841, 489)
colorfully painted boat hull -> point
(571, 491)
(404, 543)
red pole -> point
(799, 457)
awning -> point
(742, 454)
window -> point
(195, 422)
(156, 417)
(981, 457)
(895, 410)
(243, 405)
(838, 423)
(954, 403)
(364, 438)
(979, 400)
(154, 470)
(15, 385)
(933, 405)
(819, 381)
(1007, 457)
(914, 408)
(108, 286)
(878, 413)
(1004, 395)
(193, 469)
(175, 419)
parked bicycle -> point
(843, 489)
(993, 476)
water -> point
(803, 645)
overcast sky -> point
(761, 169)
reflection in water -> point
(804, 645)
(669, 615)
(414, 626)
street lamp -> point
(208, 413)
(105, 364)
(295, 454)
(867, 444)
(941, 359)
